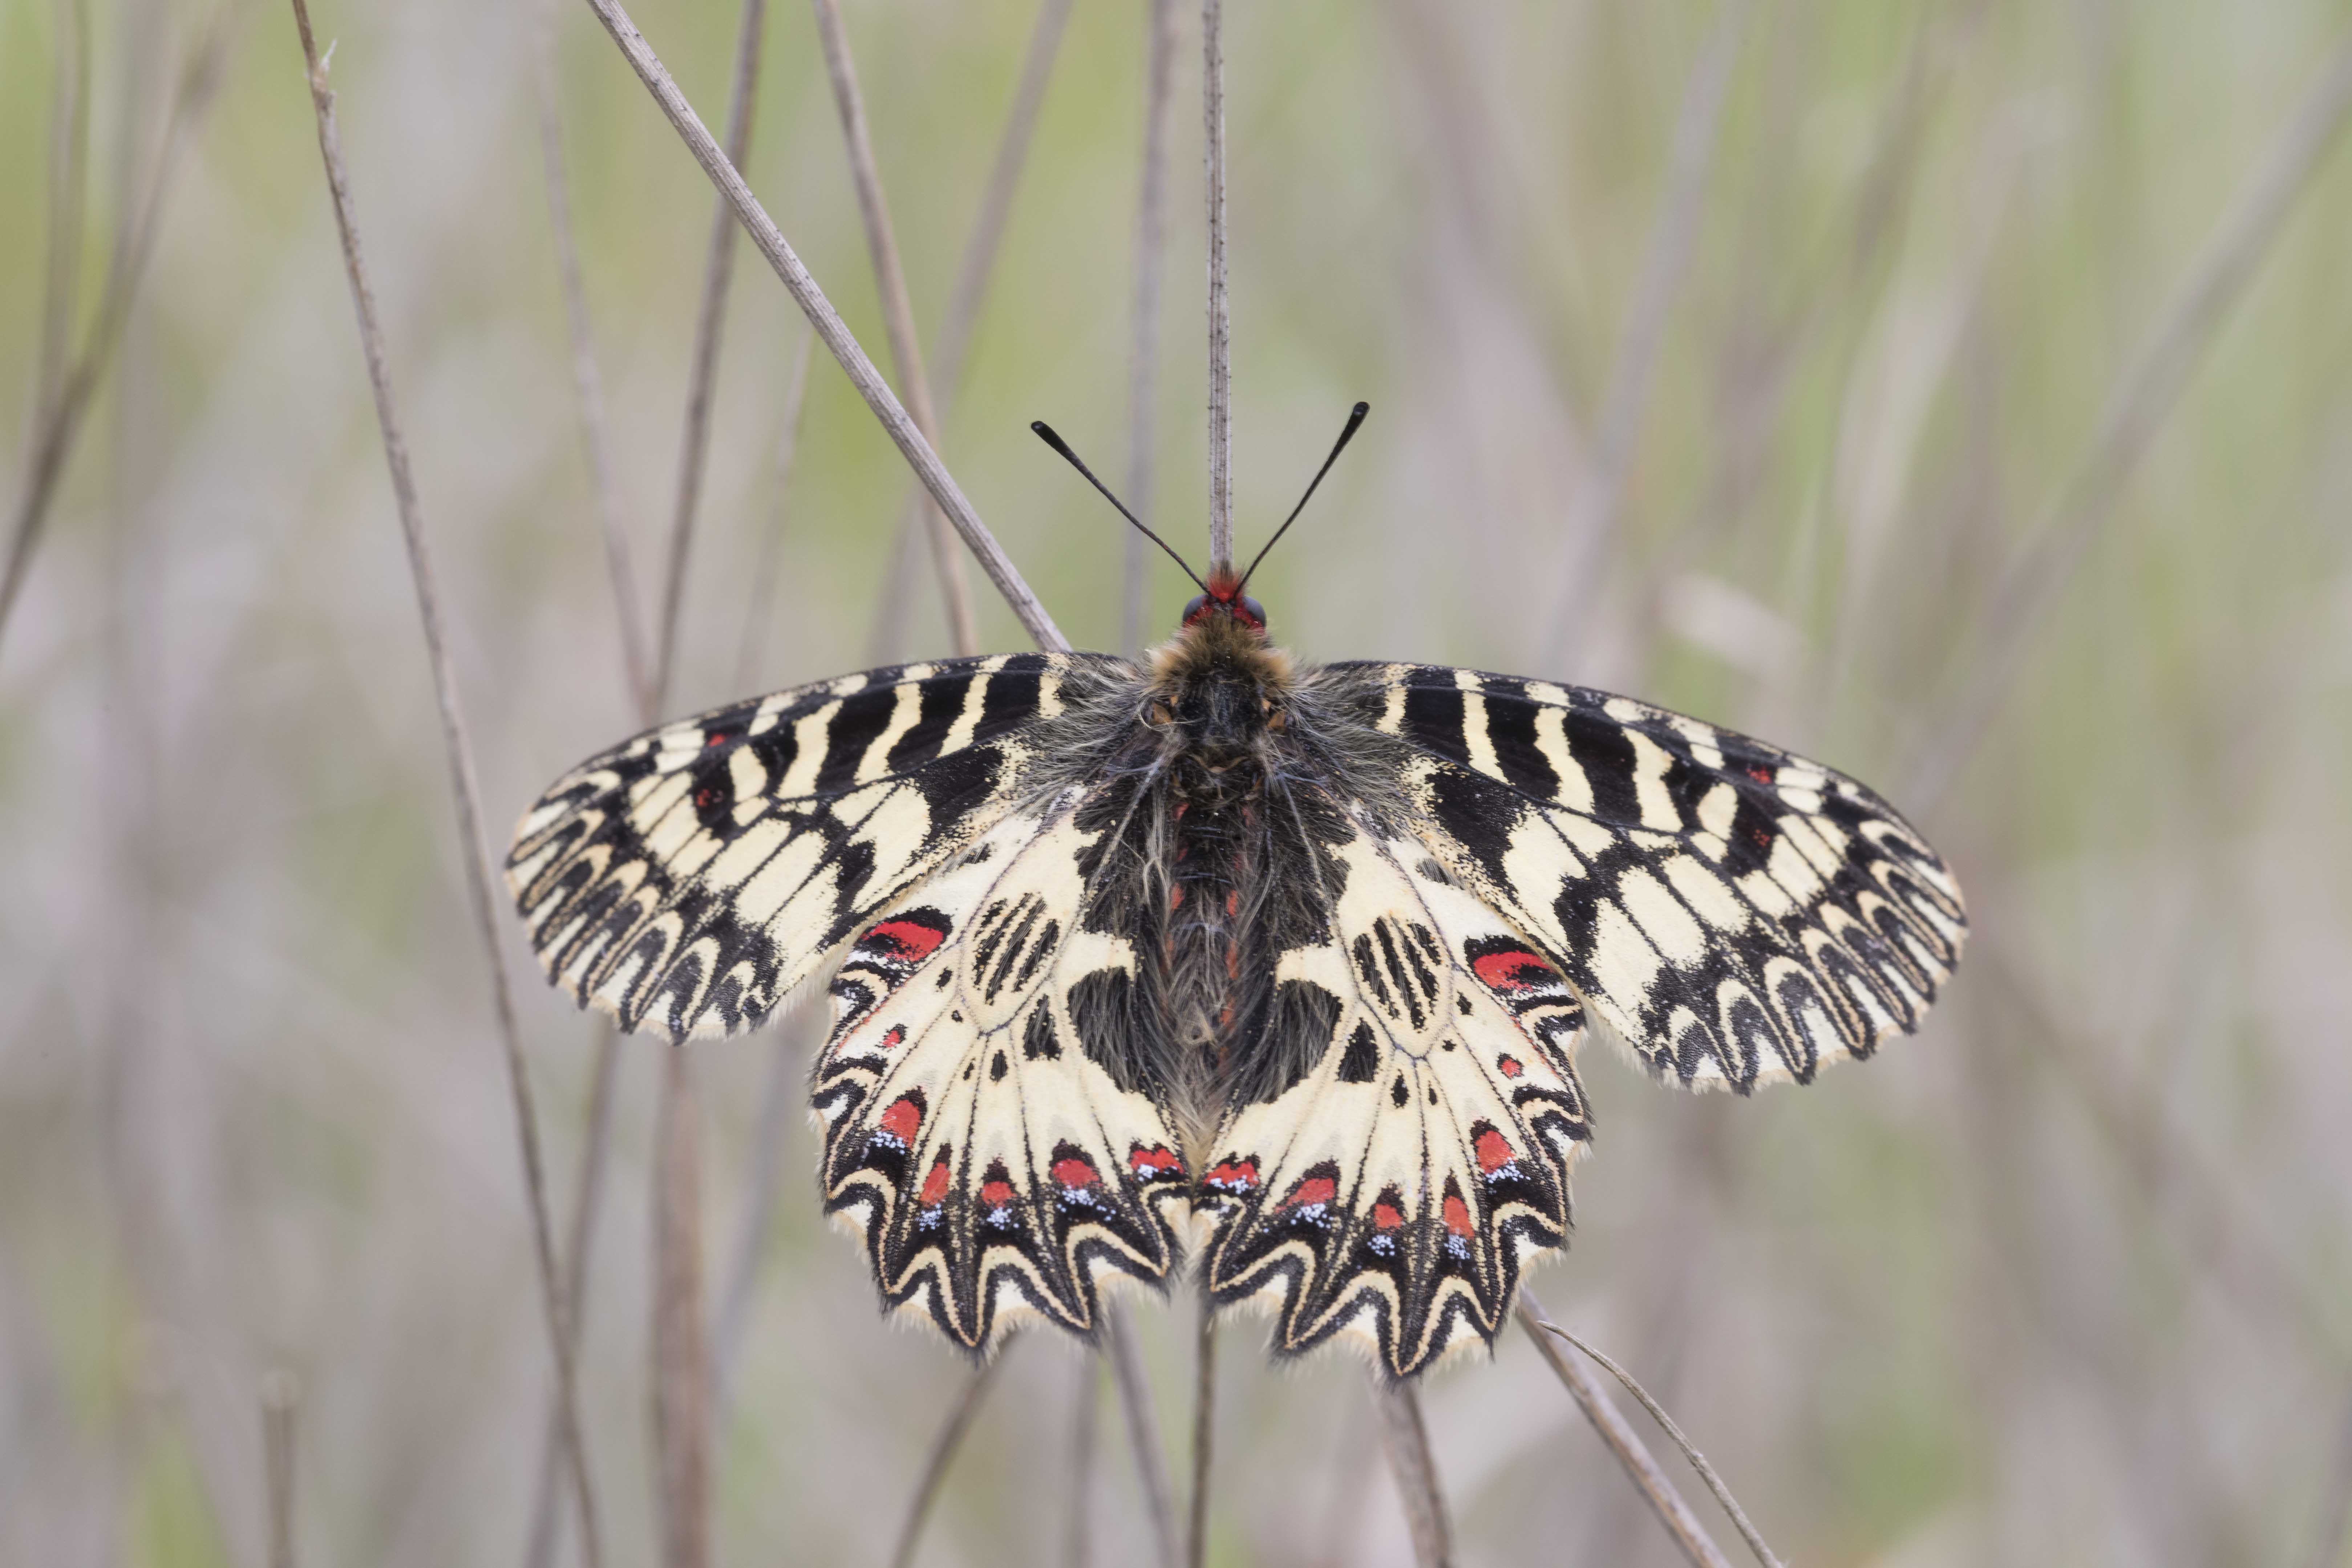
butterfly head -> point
(1224, 601)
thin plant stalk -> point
(1596, 506)
(59, 417)
(681, 1348)
(1707, 1472)
(717, 266)
(588, 386)
(587, 1202)
(2143, 396)
(972, 275)
(1221, 327)
(1405, 1436)
(1204, 1431)
(681, 1355)
(778, 1101)
(760, 611)
(898, 307)
(1142, 1430)
(1150, 272)
(473, 848)
(942, 1452)
(1667, 1503)
(895, 420)
(279, 1394)
(68, 177)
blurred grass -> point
(2058, 1282)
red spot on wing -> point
(1758, 771)
(717, 737)
(1232, 1176)
(997, 1194)
(935, 1186)
(1153, 1164)
(1512, 969)
(1511, 1066)
(897, 1037)
(1386, 1217)
(1076, 1171)
(1457, 1216)
(911, 940)
(1494, 1152)
(903, 1120)
(1312, 1191)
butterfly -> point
(1221, 957)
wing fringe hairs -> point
(1283, 967)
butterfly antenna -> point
(1046, 434)
(1355, 419)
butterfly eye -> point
(1196, 609)
(1250, 612)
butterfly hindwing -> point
(992, 1165)
(1390, 1195)
(689, 879)
(1734, 913)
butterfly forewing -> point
(1735, 914)
(991, 1166)
(1390, 1195)
(687, 880)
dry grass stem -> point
(68, 191)
(943, 1454)
(587, 1203)
(1150, 273)
(681, 1353)
(1739, 1520)
(1405, 1436)
(1204, 1432)
(898, 307)
(1989, 661)
(588, 384)
(58, 419)
(473, 848)
(717, 266)
(779, 1102)
(761, 608)
(1673, 1512)
(1597, 504)
(279, 1395)
(1221, 326)
(829, 326)
(972, 275)
(1142, 1430)
(1077, 1538)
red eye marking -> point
(935, 1186)
(1076, 1172)
(903, 1120)
(1510, 1065)
(1233, 1177)
(1457, 1216)
(997, 1194)
(1151, 1164)
(1312, 1191)
(913, 939)
(1494, 1152)
(1386, 1217)
(1512, 969)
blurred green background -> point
(2063, 1281)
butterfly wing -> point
(1390, 1195)
(689, 879)
(992, 1165)
(1734, 913)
